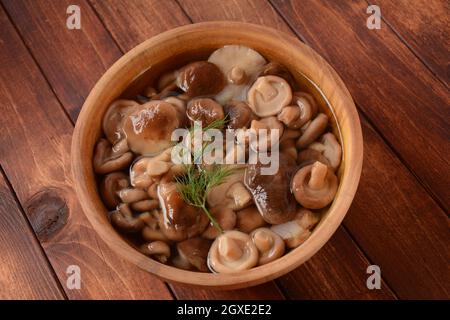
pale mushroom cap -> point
(217, 196)
(145, 169)
(314, 186)
(313, 130)
(240, 65)
(148, 129)
(330, 148)
(231, 252)
(270, 245)
(269, 95)
(112, 120)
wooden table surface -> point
(398, 76)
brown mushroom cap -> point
(279, 70)
(113, 118)
(313, 130)
(269, 244)
(123, 219)
(271, 193)
(231, 252)
(225, 217)
(249, 219)
(205, 110)
(149, 128)
(195, 251)
(240, 65)
(110, 185)
(330, 148)
(269, 95)
(314, 186)
(157, 249)
(288, 148)
(239, 114)
(109, 159)
(200, 78)
(309, 156)
(179, 220)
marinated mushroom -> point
(145, 170)
(295, 232)
(123, 219)
(249, 219)
(225, 217)
(309, 156)
(240, 65)
(269, 244)
(109, 159)
(218, 196)
(330, 148)
(274, 130)
(288, 148)
(271, 193)
(151, 230)
(277, 69)
(111, 184)
(297, 115)
(314, 186)
(205, 110)
(113, 118)
(195, 251)
(200, 78)
(239, 115)
(268, 95)
(179, 220)
(231, 252)
(157, 249)
(313, 130)
(145, 205)
(149, 128)
(130, 195)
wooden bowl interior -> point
(172, 49)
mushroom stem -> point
(229, 248)
(318, 176)
(262, 241)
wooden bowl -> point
(174, 48)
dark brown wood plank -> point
(406, 198)
(424, 26)
(35, 152)
(395, 90)
(24, 271)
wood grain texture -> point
(379, 203)
(43, 27)
(24, 271)
(394, 89)
(34, 124)
(264, 15)
(424, 26)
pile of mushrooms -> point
(258, 218)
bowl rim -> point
(332, 86)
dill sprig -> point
(194, 185)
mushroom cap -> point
(279, 70)
(269, 244)
(313, 130)
(295, 232)
(309, 156)
(195, 251)
(225, 217)
(123, 219)
(149, 128)
(231, 252)
(159, 250)
(298, 114)
(239, 114)
(249, 219)
(314, 186)
(144, 170)
(271, 193)
(109, 159)
(330, 148)
(217, 196)
(200, 78)
(273, 126)
(311, 100)
(110, 185)
(113, 118)
(179, 220)
(269, 95)
(205, 110)
(240, 65)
